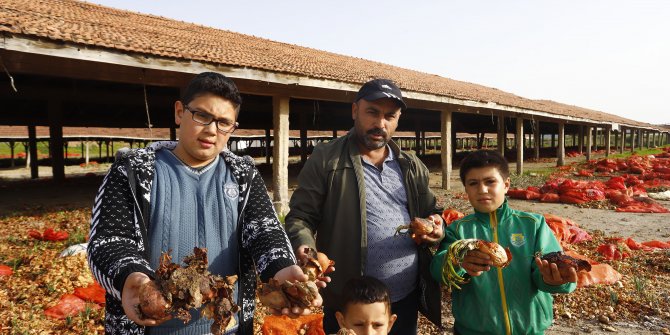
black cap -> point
(378, 89)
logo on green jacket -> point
(517, 240)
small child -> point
(515, 299)
(366, 307)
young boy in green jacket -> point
(511, 300)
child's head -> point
(366, 307)
(485, 175)
(207, 116)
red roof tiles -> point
(93, 25)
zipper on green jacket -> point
(501, 283)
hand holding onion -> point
(423, 230)
(474, 256)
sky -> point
(609, 55)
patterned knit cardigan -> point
(119, 232)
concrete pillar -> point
(560, 152)
(608, 139)
(445, 153)
(639, 139)
(519, 146)
(622, 140)
(280, 112)
(649, 136)
(589, 140)
(632, 140)
(595, 139)
(501, 134)
(536, 139)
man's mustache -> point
(377, 131)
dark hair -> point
(484, 158)
(214, 83)
(365, 290)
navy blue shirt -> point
(391, 259)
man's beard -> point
(372, 144)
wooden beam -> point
(501, 134)
(303, 136)
(519, 146)
(445, 152)
(560, 152)
(589, 142)
(55, 112)
(581, 139)
(417, 136)
(268, 144)
(280, 119)
(536, 139)
(608, 139)
(616, 140)
(32, 138)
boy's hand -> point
(301, 255)
(438, 232)
(476, 262)
(130, 299)
(551, 275)
(294, 273)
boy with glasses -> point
(174, 196)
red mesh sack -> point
(279, 325)
(48, 235)
(5, 270)
(68, 305)
(599, 274)
(550, 197)
(450, 215)
(657, 244)
(92, 293)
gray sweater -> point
(192, 208)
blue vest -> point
(193, 208)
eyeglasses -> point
(223, 126)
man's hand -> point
(301, 255)
(552, 276)
(294, 273)
(130, 299)
(438, 232)
(476, 262)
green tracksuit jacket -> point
(513, 300)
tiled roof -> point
(93, 25)
(41, 131)
(21, 132)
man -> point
(174, 196)
(353, 193)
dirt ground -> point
(18, 193)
